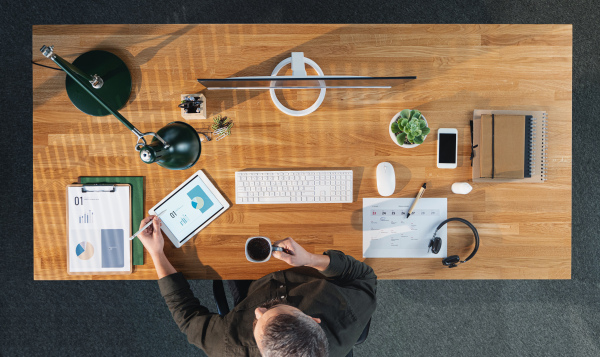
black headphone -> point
(436, 243)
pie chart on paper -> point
(84, 250)
(197, 202)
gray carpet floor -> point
(414, 318)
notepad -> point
(502, 146)
(526, 145)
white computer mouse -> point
(386, 179)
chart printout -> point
(189, 208)
(387, 233)
(99, 225)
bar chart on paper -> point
(387, 233)
(87, 217)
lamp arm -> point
(94, 80)
(75, 74)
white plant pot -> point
(393, 136)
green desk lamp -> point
(175, 147)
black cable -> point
(37, 64)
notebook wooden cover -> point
(502, 146)
(538, 145)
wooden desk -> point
(525, 228)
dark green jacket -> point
(342, 296)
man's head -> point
(283, 330)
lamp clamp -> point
(94, 80)
(48, 52)
(139, 145)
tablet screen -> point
(188, 208)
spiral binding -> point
(532, 146)
(544, 153)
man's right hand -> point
(299, 257)
(152, 237)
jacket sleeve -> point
(345, 270)
(203, 328)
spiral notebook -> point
(533, 135)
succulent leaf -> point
(403, 123)
(418, 139)
(405, 114)
(425, 131)
(410, 137)
(422, 123)
(395, 128)
(400, 138)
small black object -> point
(436, 243)
(474, 146)
(191, 106)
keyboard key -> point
(274, 199)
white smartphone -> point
(447, 147)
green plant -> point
(410, 127)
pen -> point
(145, 226)
(419, 195)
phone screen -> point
(447, 150)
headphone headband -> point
(452, 262)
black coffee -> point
(258, 249)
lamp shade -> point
(182, 152)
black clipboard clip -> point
(95, 187)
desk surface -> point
(525, 228)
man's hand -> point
(154, 242)
(152, 237)
(299, 256)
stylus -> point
(145, 226)
(419, 195)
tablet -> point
(189, 208)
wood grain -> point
(525, 228)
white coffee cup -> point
(271, 249)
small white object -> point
(386, 179)
(462, 188)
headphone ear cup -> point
(435, 244)
(451, 261)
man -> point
(295, 312)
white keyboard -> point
(321, 186)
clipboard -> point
(98, 228)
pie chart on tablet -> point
(197, 202)
(84, 250)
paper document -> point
(387, 233)
(99, 224)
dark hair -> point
(295, 335)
